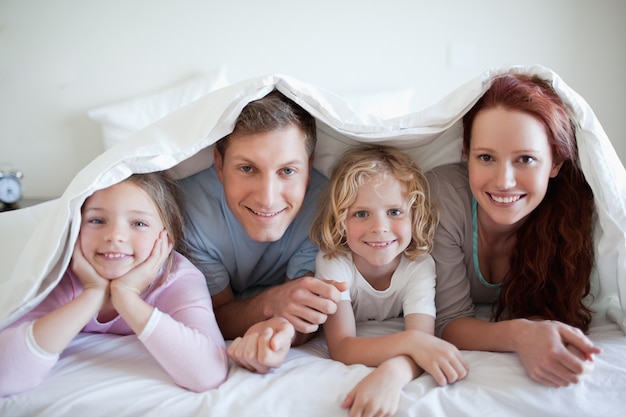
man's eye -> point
(246, 168)
(288, 171)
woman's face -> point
(510, 164)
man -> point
(248, 220)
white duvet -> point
(37, 242)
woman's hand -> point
(554, 353)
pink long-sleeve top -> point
(182, 333)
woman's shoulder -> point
(450, 191)
(454, 175)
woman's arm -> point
(541, 344)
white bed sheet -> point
(109, 375)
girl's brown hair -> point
(551, 264)
(165, 193)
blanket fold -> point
(38, 240)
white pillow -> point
(121, 119)
(384, 103)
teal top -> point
(475, 246)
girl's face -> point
(119, 228)
(378, 224)
(510, 164)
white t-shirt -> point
(412, 288)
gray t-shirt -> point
(458, 284)
(224, 252)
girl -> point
(375, 229)
(124, 278)
(516, 231)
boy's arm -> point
(437, 357)
(379, 392)
(345, 346)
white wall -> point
(59, 58)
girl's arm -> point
(54, 331)
(126, 290)
(541, 344)
(31, 346)
(182, 333)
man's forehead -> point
(286, 141)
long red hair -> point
(550, 267)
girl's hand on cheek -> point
(140, 277)
(85, 272)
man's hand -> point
(305, 302)
(264, 346)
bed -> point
(108, 375)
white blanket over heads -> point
(37, 242)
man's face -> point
(265, 176)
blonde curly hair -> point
(356, 166)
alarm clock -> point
(10, 187)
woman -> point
(516, 231)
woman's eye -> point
(484, 157)
(527, 159)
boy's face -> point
(265, 176)
(379, 226)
